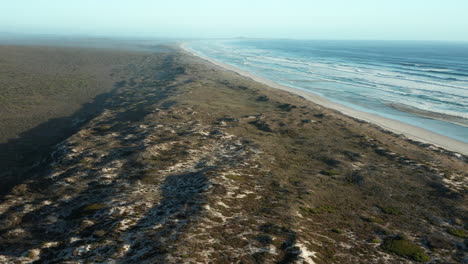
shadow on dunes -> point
(25, 156)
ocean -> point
(424, 84)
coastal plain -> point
(46, 93)
(186, 162)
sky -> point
(445, 20)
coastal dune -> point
(410, 131)
(188, 162)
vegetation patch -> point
(261, 125)
(151, 177)
(458, 232)
(264, 239)
(286, 107)
(329, 172)
(355, 177)
(93, 207)
(373, 219)
(338, 231)
(102, 128)
(86, 161)
(437, 241)
(389, 210)
(228, 119)
(403, 247)
(330, 161)
(318, 210)
(353, 156)
(262, 98)
(89, 209)
(235, 177)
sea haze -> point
(421, 83)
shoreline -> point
(398, 127)
(431, 115)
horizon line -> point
(148, 37)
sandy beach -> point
(410, 131)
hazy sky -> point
(325, 19)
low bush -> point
(337, 230)
(329, 172)
(457, 232)
(389, 210)
(286, 107)
(405, 248)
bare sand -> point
(410, 131)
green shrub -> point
(405, 248)
(103, 128)
(389, 210)
(235, 177)
(329, 172)
(337, 230)
(93, 207)
(457, 232)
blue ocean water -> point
(370, 76)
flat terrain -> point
(190, 163)
(46, 92)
